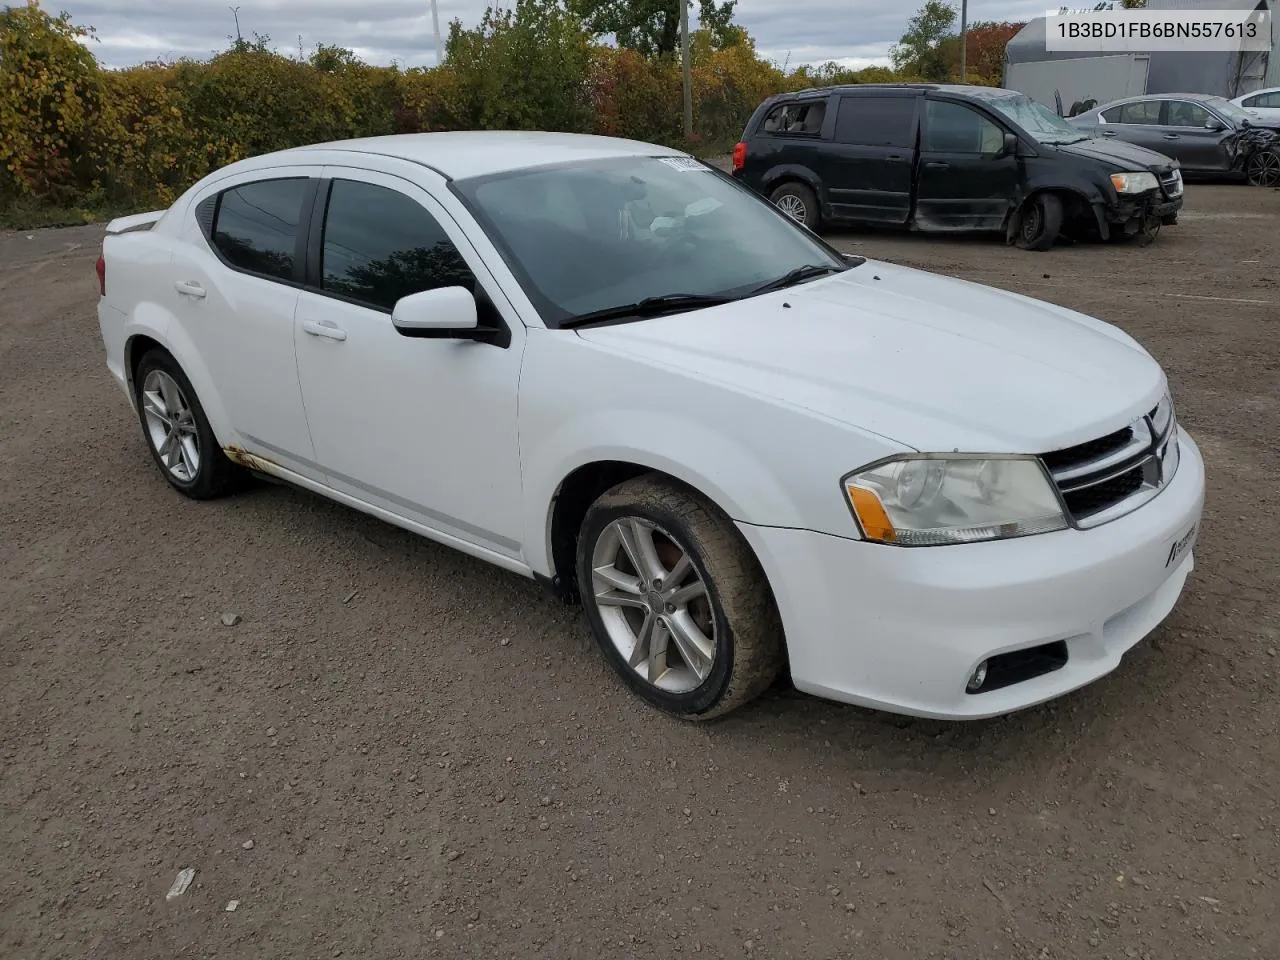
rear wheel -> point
(1040, 222)
(178, 432)
(798, 202)
(676, 599)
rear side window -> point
(955, 128)
(256, 227)
(1264, 100)
(1142, 112)
(380, 245)
(877, 121)
(802, 118)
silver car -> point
(1196, 129)
(1263, 106)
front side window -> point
(256, 225)
(596, 235)
(955, 128)
(877, 121)
(381, 245)
(1185, 114)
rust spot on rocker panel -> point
(250, 461)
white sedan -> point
(1263, 105)
(607, 366)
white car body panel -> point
(1267, 116)
(761, 404)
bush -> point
(76, 136)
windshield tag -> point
(684, 164)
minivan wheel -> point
(676, 599)
(1040, 222)
(798, 202)
(177, 431)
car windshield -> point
(1237, 115)
(593, 236)
(1035, 118)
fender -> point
(1086, 190)
(723, 470)
(153, 321)
(794, 171)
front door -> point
(1188, 140)
(423, 428)
(967, 181)
(867, 167)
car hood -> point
(931, 362)
(1122, 155)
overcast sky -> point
(858, 32)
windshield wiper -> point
(798, 275)
(648, 307)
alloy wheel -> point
(171, 426)
(1264, 169)
(793, 207)
(654, 604)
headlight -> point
(1134, 182)
(924, 501)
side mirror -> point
(442, 313)
(1010, 148)
(1212, 124)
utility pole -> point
(964, 41)
(235, 12)
(686, 69)
(435, 25)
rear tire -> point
(695, 594)
(177, 431)
(1039, 222)
(798, 202)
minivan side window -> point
(803, 118)
(876, 121)
(256, 225)
(955, 128)
(381, 245)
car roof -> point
(1254, 93)
(475, 153)
(1193, 97)
(855, 89)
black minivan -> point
(950, 158)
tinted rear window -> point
(257, 226)
(877, 121)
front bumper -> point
(902, 629)
(1134, 209)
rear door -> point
(966, 180)
(868, 166)
(1186, 138)
(1137, 122)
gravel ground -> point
(400, 752)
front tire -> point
(798, 202)
(1040, 222)
(1263, 169)
(178, 432)
(676, 599)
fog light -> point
(978, 679)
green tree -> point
(652, 27)
(921, 53)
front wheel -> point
(1040, 222)
(676, 599)
(1263, 169)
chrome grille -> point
(1109, 477)
(1172, 184)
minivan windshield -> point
(591, 237)
(1035, 118)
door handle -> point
(893, 157)
(1172, 136)
(189, 288)
(936, 165)
(324, 328)
(1108, 133)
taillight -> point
(739, 155)
(102, 276)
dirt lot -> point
(440, 765)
